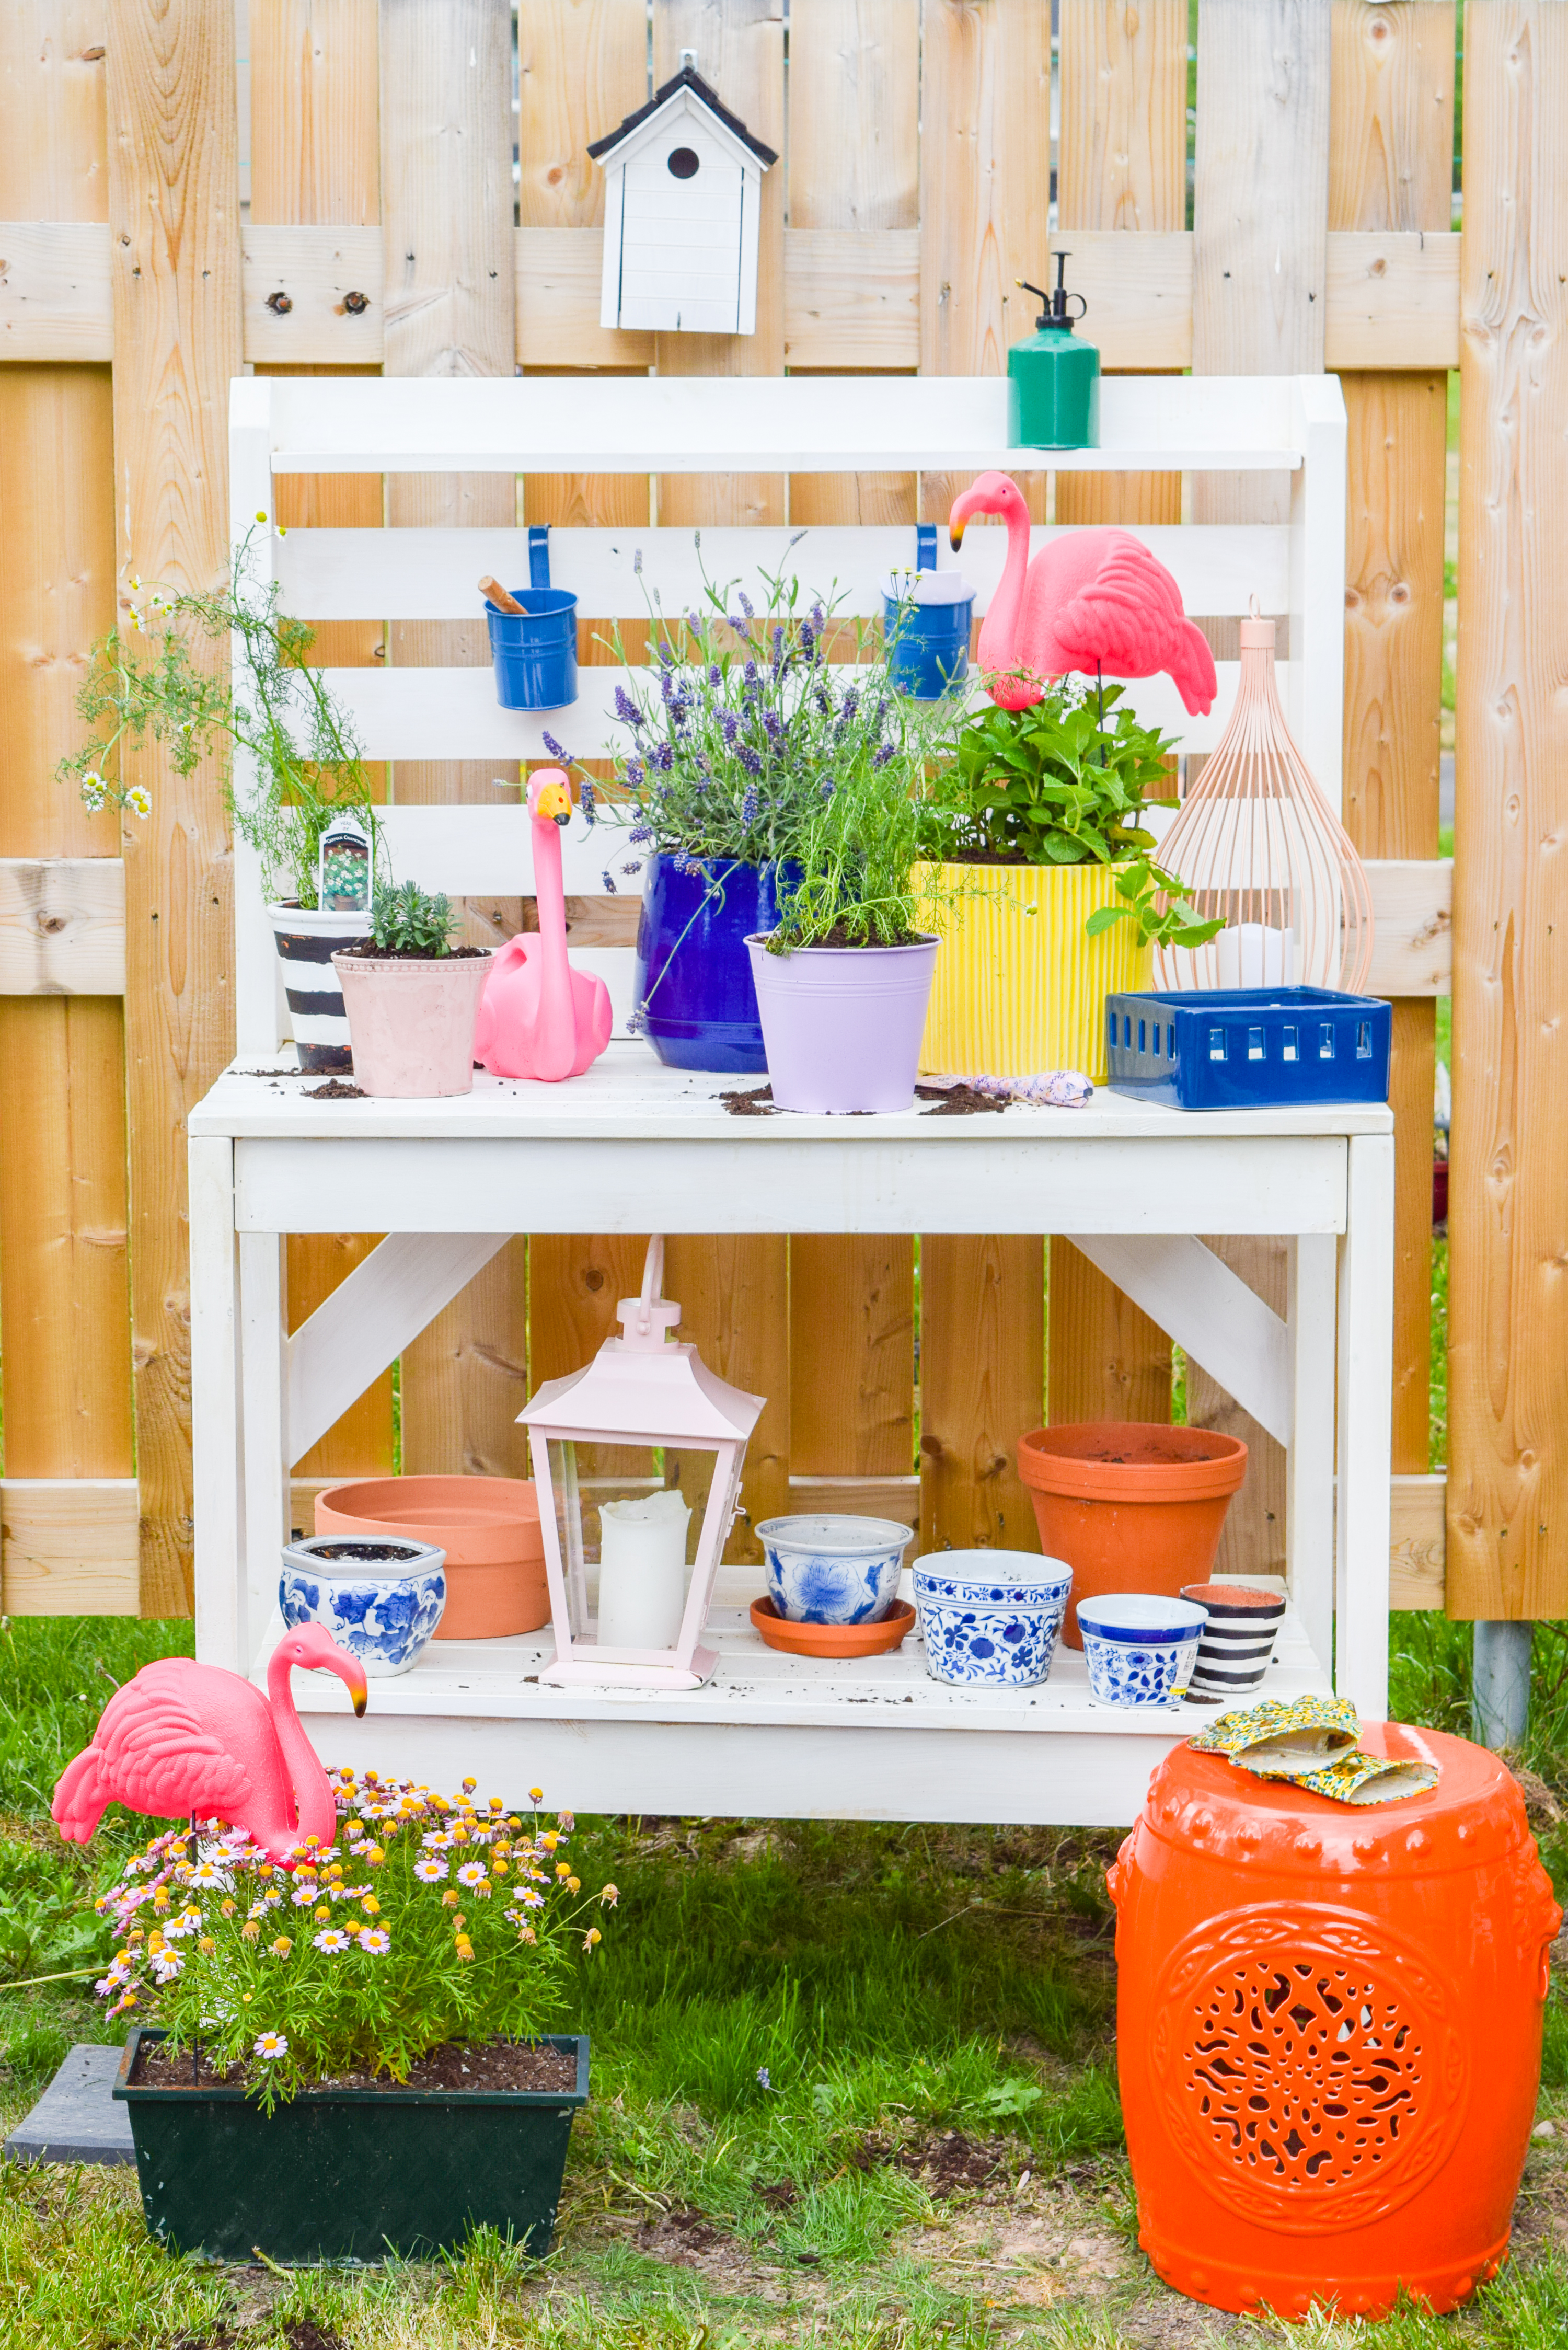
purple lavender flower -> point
(693, 621)
(634, 770)
(715, 674)
(588, 798)
(881, 710)
(667, 653)
(639, 835)
(635, 866)
(750, 673)
(737, 621)
(773, 725)
(662, 756)
(746, 606)
(637, 560)
(850, 703)
(807, 637)
(823, 703)
(749, 806)
(818, 616)
(749, 760)
(610, 890)
(729, 726)
(882, 755)
(666, 687)
(626, 709)
(554, 749)
(827, 788)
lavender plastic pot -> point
(841, 1025)
(411, 1022)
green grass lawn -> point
(852, 2085)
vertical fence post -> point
(174, 203)
(1508, 1394)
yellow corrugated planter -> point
(1018, 986)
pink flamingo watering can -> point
(538, 1017)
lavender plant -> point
(429, 1921)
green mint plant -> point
(298, 761)
(405, 919)
(1055, 785)
(429, 1921)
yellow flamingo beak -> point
(955, 535)
(555, 800)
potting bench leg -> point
(221, 1612)
(1309, 1460)
(264, 1417)
(1365, 1409)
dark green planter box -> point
(349, 2174)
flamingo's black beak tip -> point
(360, 1697)
(564, 819)
(955, 535)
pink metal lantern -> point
(1257, 843)
(641, 1626)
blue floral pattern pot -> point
(832, 1570)
(1000, 1633)
(692, 987)
(381, 1600)
(1140, 1647)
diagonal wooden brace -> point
(1208, 1311)
(370, 1318)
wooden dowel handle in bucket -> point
(502, 598)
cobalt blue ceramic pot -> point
(693, 983)
(381, 1600)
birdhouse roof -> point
(686, 84)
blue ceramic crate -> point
(1248, 1047)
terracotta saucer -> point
(832, 1639)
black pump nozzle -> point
(1055, 313)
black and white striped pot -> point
(305, 946)
(1237, 1642)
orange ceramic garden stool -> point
(1328, 2029)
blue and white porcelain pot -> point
(379, 1599)
(1140, 1649)
(990, 1617)
(830, 1570)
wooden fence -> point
(387, 230)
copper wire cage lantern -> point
(1257, 844)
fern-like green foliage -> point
(406, 919)
(289, 762)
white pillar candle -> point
(642, 1571)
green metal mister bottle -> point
(1053, 379)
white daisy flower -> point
(139, 800)
(167, 1965)
(205, 1873)
(271, 2043)
(472, 1872)
(436, 1841)
(331, 1937)
(346, 1892)
(431, 1869)
(376, 1940)
(304, 1895)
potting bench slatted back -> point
(1279, 425)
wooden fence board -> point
(1121, 170)
(174, 211)
(1259, 222)
(62, 925)
(1390, 171)
(69, 1546)
(983, 1337)
(854, 165)
(1507, 1379)
(55, 151)
(315, 172)
(446, 206)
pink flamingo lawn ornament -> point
(1092, 600)
(538, 1017)
(184, 1739)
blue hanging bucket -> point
(931, 650)
(535, 651)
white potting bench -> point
(633, 1146)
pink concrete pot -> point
(412, 1020)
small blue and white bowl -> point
(379, 1599)
(1140, 1649)
(828, 1570)
(990, 1618)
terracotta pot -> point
(1131, 1505)
(488, 1527)
(411, 1020)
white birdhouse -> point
(633, 1530)
(682, 203)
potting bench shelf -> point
(633, 1146)
(882, 1743)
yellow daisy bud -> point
(322, 1915)
(250, 1931)
(574, 1884)
(260, 517)
(536, 1794)
(498, 1869)
(206, 1945)
(449, 1900)
(369, 1905)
